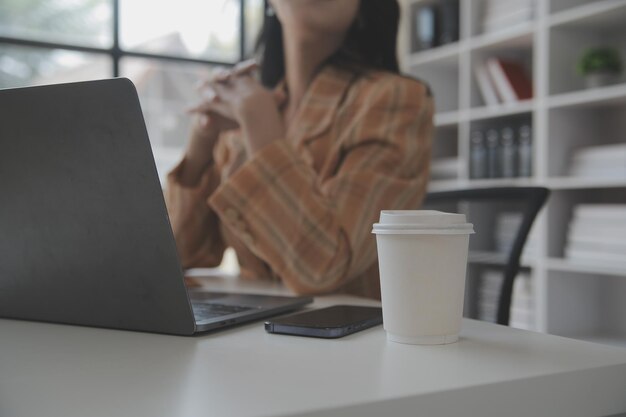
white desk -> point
(55, 370)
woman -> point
(293, 170)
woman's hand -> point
(242, 99)
(207, 126)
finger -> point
(202, 83)
(202, 107)
(217, 107)
(217, 75)
(223, 77)
(224, 92)
(198, 108)
(236, 86)
(279, 96)
(245, 67)
(246, 80)
(207, 114)
(208, 93)
(204, 120)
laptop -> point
(85, 237)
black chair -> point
(481, 207)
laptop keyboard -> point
(204, 311)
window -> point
(164, 46)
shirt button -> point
(231, 214)
(247, 239)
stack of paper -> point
(522, 304)
(597, 235)
(501, 14)
(506, 229)
(602, 161)
(488, 294)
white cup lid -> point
(422, 222)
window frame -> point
(117, 53)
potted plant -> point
(600, 66)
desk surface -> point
(56, 370)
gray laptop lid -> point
(84, 232)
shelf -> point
(573, 298)
(573, 183)
(451, 118)
(495, 259)
(446, 55)
(508, 109)
(595, 97)
(445, 185)
(487, 258)
(501, 182)
(519, 36)
(600, 14)
(554, 183)
(462, 184)
(568, 265)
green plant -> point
(601, 59)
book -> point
(486, 86)
(506, 21)
(493, 162)
(501, 14)
(601, 152)
(577, 229)
(522, 300)
(495, 9)
(478, 155)
(601, 211)
(597, 234)
(596, 258)
(606, 247)
(600, 161)
(597, 171)
(507, 225)
(424, 27)
(589, 239)
(448, 21)
(524, 150)
(503, 6)
(510, 80)
(508, 153)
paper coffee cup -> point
(422, 257)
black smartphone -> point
(329, 322)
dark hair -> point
(370, 43)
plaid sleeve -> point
(315, 234)
(194, 223)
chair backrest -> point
(482, 206)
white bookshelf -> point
(502, 110)
(574, 299)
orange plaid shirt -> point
(301, 209)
